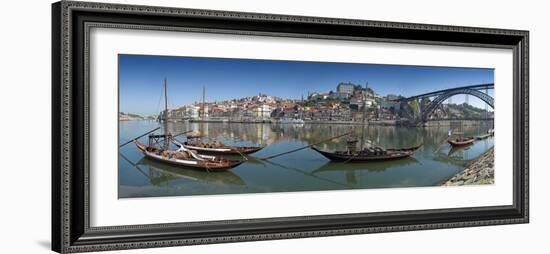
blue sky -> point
(141, 78)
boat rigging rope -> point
(244, 157)
(160, 99)
(304, 147)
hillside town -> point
(348, 103)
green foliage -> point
(466, 111)
(309, 104)
(415, 107)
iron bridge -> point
(442, 95)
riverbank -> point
(479, 171)
(255, 121)
(444, 123)
(440, 123)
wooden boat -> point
(214, 148)
(183, 156)
(461, 141)
(364, 154)
(218, 148)
(187, 158)
(368, 154)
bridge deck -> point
(436, 93)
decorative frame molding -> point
(71, 22)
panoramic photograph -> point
(210, 126)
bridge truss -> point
(442, 95)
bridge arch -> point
(441, 98)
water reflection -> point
(369, 166)
(460, 151)
(353, 173)
(159, 173)
(305, 170)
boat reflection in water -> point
(461, 155)
(471, 151)
(366, 174)
(159, 173)
(459, 149)
(304, 170)
(368, 166)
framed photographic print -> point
(181, 126)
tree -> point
(415, 107)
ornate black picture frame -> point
(71, 22)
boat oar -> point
(255, 160)
(301, 148)
(135, 166)
(306, 174)
(131, 140)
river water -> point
(305, 170)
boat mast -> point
(364, 117)
(203, 102)
(165, 147)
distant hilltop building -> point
(339, 95)
(392, 97)
(318, 96)
(345, 88)
(390, 102)
(348, 102)
(263, 98)
(357, 103)
(345, 91)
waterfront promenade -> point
(405, 122)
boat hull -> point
(216, 165)
(227, 150)
(391, 154)
(464, 142)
